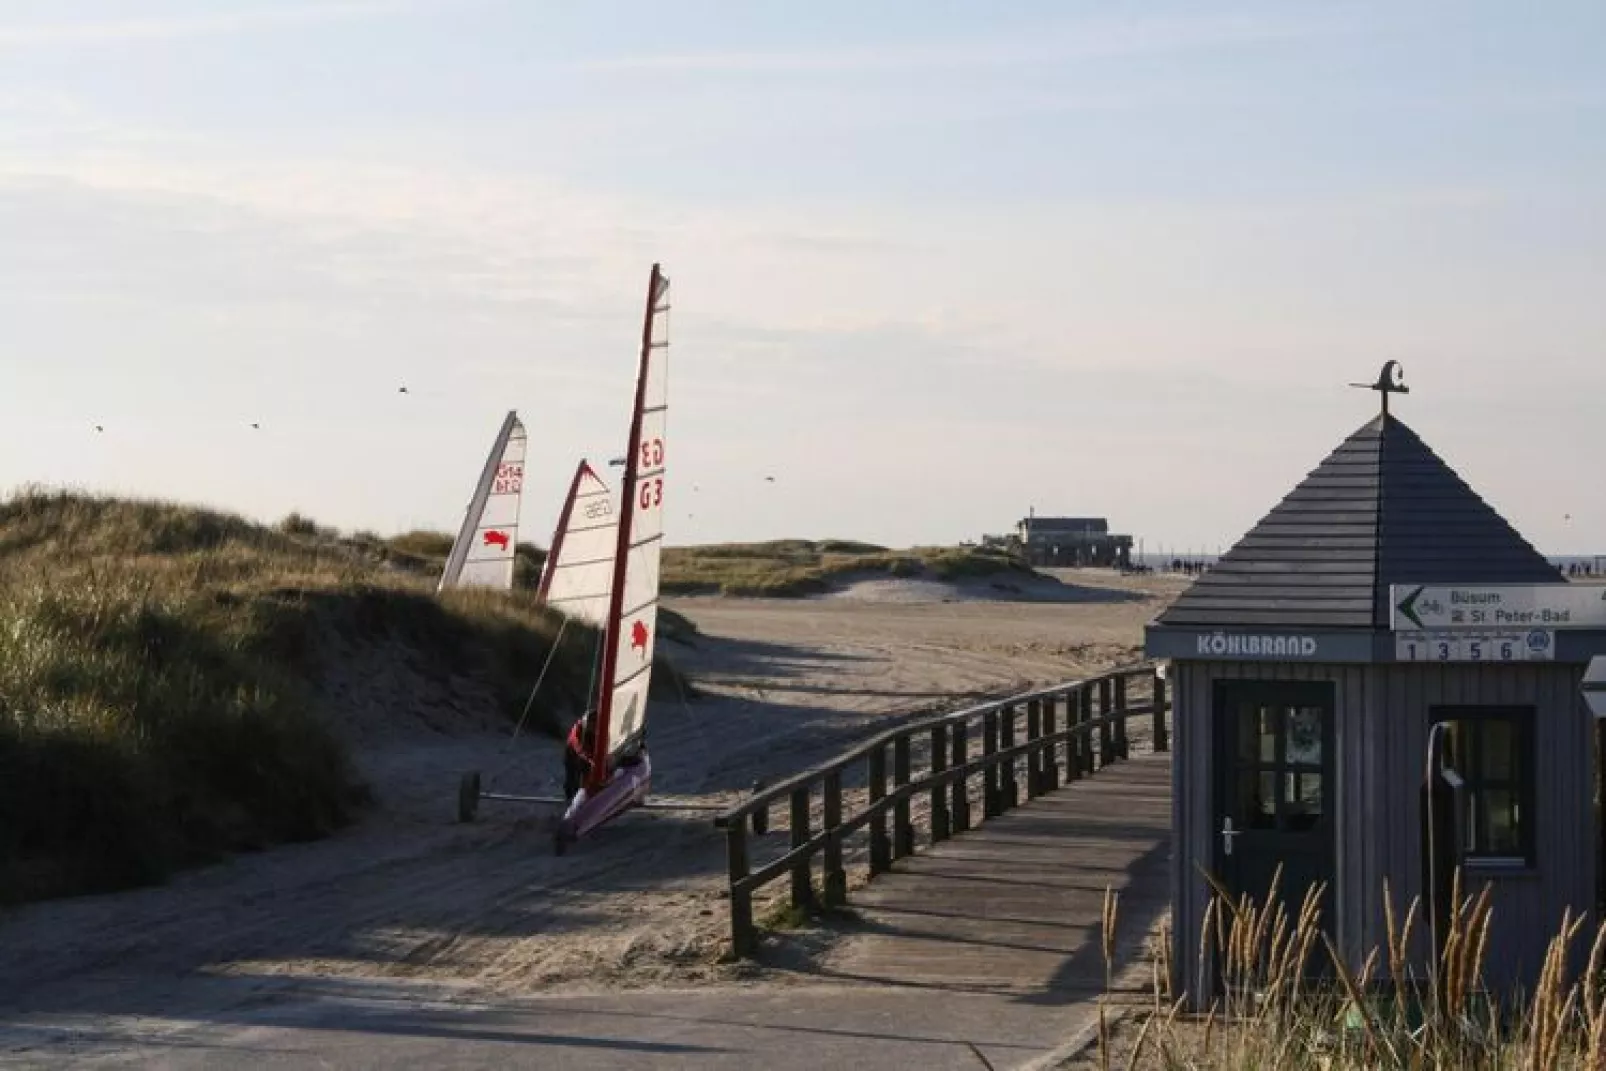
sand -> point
(409, 893)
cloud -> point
(1087, 39)
(159, 28)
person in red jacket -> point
(577, 755)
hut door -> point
(1275, 788)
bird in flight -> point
(401, 390)
(99, 428)
(257, 426)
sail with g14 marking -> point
(578, 576)
(483, 553)
(633, 608)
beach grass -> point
(794, 568)
(162, 674)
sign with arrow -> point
(1595, 686)
(1425, 607)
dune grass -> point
(793, 568)
(1392, 1013)
(160, 672)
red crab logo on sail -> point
(638, 637)
(494, 538)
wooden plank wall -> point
(1382, 716)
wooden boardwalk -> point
(980, 952)
(1015, 905)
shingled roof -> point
(1382, 509)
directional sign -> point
(1595, 686)
(1422, 607)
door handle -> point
(1228, 833)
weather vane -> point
(1389, 381)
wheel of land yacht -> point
(468, 796)
(560, 843)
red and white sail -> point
(483, 553)
(633, 610)
(578, 577)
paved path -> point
(982, 952)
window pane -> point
(1493, 755)
(1261, 812)
(1501, 815)
(1497, 743)
(1256, 735)
(1453, 756)
(1266, 727)
(1305, 735)
(1302, 805)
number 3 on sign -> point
(652, 494)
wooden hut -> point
(1305, 700)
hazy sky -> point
(933, 263)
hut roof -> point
(1382, 509)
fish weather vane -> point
(1389, 381)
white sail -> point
(578, 577)
(633, 616)
(483, 553)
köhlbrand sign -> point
(1226, 644)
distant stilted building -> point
(1068, 542)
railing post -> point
(939, 793)
(1051, 756)
(960, 819)
(880, 844)
(1010, 789)
(1162, 741)
(1106, 739)
(990, 775)
(741, 898)
(903, 830)
(1085, 712)
(1034, 757)
(1122, 748)
(802, 880)
(835, 879)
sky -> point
(934, 263)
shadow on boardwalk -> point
(1015, 906)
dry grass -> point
(1278, 1013)
(792, 568)
(160, 669)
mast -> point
(657, 286)
(492, 480)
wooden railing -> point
(1025, 752)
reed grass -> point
(1291, 1000)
